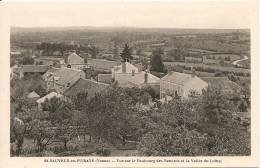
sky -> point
(221, 15)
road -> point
(236, 63)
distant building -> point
(49, 60)
(48, 96)
(76, 62)
(85, 85)
(102, 64)
(127, 75)
(33, 69)
(181, 84)
(125, 67)
(60, 79)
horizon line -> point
(122, 27)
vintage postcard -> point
(129, 84)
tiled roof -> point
(138, 78)
(177, 78)
(35, 68)
(61, 75)
(102, 64)
(85, 85)
(223, 82)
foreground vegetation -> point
(199, 125)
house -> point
(105, 78)
(85, 85)
(125, 67)
(224, 83)
(181, 84)
(32, 69)
(60, 79)
(102, 64)
(127, 75)
(33, 95)
(48, 97)
(76, 62)
(49, 60)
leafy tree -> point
(216, 105)
(156, 60)
(41, 91)
(51, 105)
(126, 54)
(17, 135)
(27, 60)
(93, 51)
(109, 115)
(115, 50)
(242, 106)
(80, 100)
(41, 131)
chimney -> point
(193, 73)
(133, 72)
(124, 67)
(145, 77)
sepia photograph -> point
(130, 79)
(128, 91)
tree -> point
(156, 60)
(17, 131)
(42, 132)
(216, 106)
(115, 50)
(109, 116)
(51, 104)
(93, 51)
(126, 54)
(41, 91)
(27, 60)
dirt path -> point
(236, 63)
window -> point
(68, 84)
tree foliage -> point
(156, 60)
(200, 125)
(126, 54)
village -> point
(127, 103)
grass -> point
(216, 67)
(233, 57)
(81, 150)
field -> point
(215, 67)
(232, 57)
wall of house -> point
(122, 78)
(196, 84)
(168, 88)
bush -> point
(103, 152)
